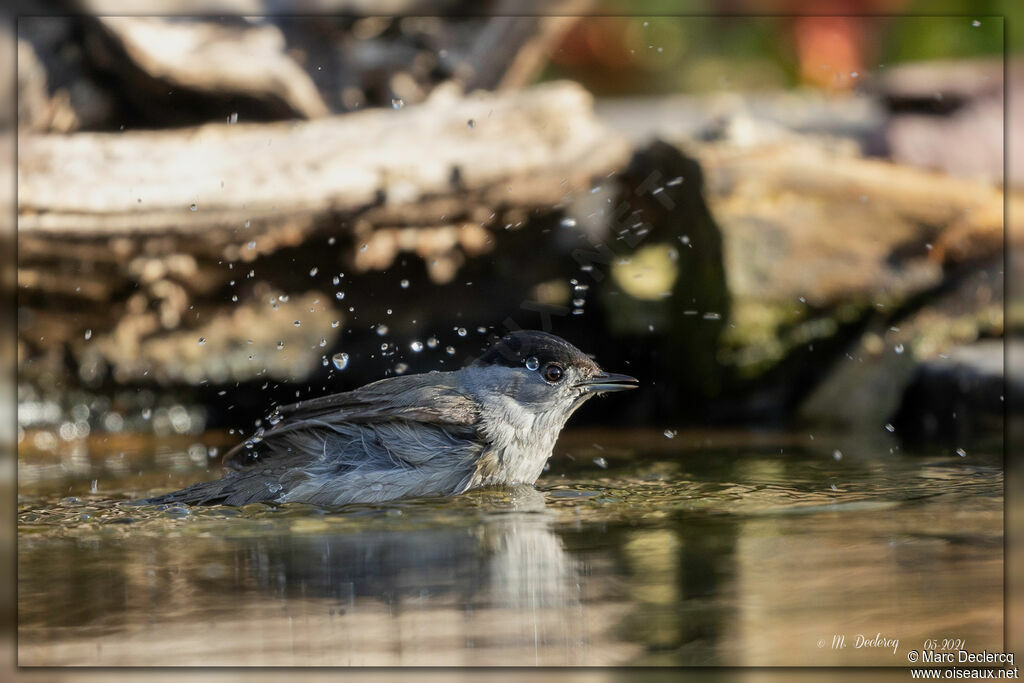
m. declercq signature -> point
(862, 641)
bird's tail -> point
(231, 490)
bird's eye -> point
(553, 372)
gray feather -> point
(401, 436)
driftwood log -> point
(487, 151)
(99, 70)
(124, 234)
(134, 246)
(249, 61)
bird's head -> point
(542, 374)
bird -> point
(492, 423)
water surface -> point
(709, 548)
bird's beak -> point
(608, 381)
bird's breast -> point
(519, 445)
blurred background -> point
(789, 226)
(771, 220)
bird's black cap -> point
(515, 348)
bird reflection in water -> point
(502, 590)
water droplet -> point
(837, 454)
(404, 284)
(471, 124)
(340, 360)
(335, 323)
(712, 316)
(323, 342)
(273, 486)
(280, 345)
(147, 413)
(252, 244)
(377, 487)
(313, 271)
(382, 330)
(297, 323)
(384, 346)
(961, 452)
(670, 433)
(95, 486)
(461, 332)
(397, 103)
(202, 340)
(432, 342)
(400, 368)
(854, 74)
(898, 348)
(601, 462)
(450, 350)
(975, 23)
(889, 428)
(568, 222)
(88, 335)
(416, 346)
(192, 207)
(532, 363)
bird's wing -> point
(430, 398)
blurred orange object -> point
(830, 50)
(834, 50)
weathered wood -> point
(484, 147)
(98, 70)
(810, 242)
(249, 60)
(109, 240)
(817, 237)
(814, 168)
(511, 50)
(803, 219)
